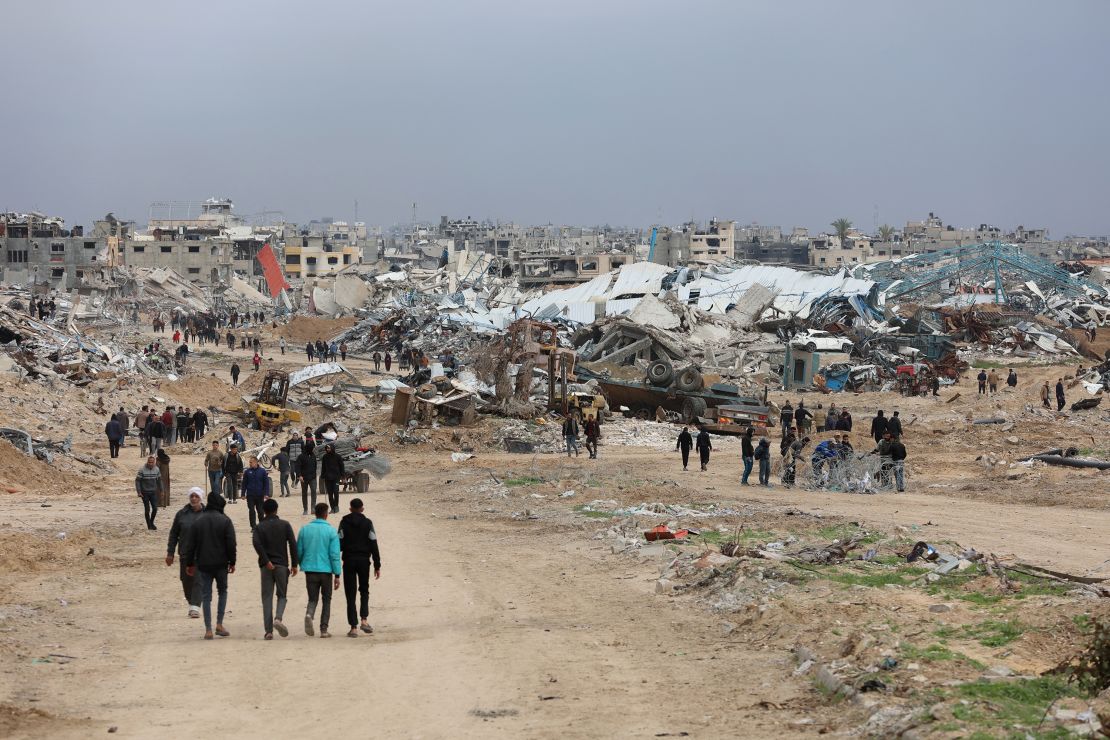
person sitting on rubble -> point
(235, 438)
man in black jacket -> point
(879, 426)
(200, 424)
(233, 468)
(331, 472)
(747, 454)
(210, 550)
(705, 446)
(358, 543)
(182, 521)
(305, 468)
(685, 442)
(894, 424)
(277, 557)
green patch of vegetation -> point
(844, 531)
(591, 514)
(1007, 707)
(991, 633)
(1082, 622)
(936, 653)
(991, 364)
(524, 480)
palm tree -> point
(886, 233)
(842, 226)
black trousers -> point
(331, 488)
(113, 447)
(307, 483)
(356, 575)
(254, 509)
(150, 508)
(685, 456)
(704, 454)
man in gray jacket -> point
(148, 485)
(182, 520)
(277, 557)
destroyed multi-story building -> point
(40, 251)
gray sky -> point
(570, 111)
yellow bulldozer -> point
(267, 410)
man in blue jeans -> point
(763, 455)
(256, 489)
(214, 464)
(210, 551)
(747, 454)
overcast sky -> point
(630, 112)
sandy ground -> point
(495, 616)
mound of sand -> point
(303, 329)
(22, 472)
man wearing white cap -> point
(182, 520)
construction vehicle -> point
(581, 401)
(267, 410)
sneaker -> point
(268, 636)
(281, 628)
(194, 612)
(308, 626)
(325, 633)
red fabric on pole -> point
(275, 280)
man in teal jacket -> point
(318, 551)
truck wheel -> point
(690, 380)
(692, 408)
(660, 373)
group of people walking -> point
(571, 430)
(320, 352)
(203, 541)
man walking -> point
(593, 435)
(114, 434)
(257, 487)
(124, 420)
(1046, 394)
(358, 543)
(878, 426)
(200, 424)
(233, 468)
(235, 373)
(331, 472)
(763, 455)
(886, 462)
(182, 521)
(704, 446)
(894, 424)
(1060, 401)
(898, 461)
(306, 474)
(786, 418)
(209, 555)
(169, 426)
(277, 558)
(747, 454)
(318, 553)
(148, 485)
(802, 417)
(570, 434)
(214, 465)
(155, 431)
(685, 442)
(281, 462)
(141, 420)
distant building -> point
(714, 243)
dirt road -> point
(546, 640)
